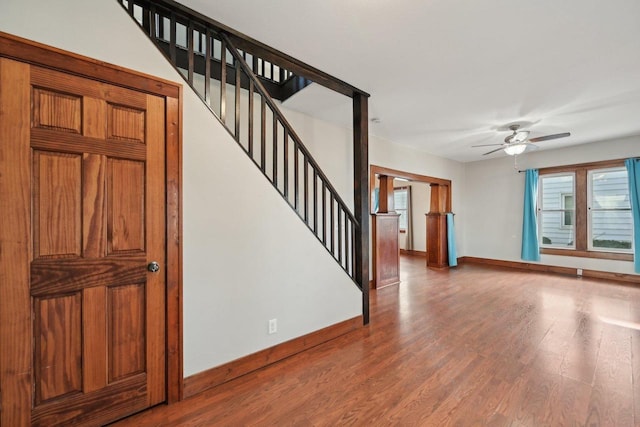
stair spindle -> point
(237, 101)
(332, 222)
(190, 50)
(306, 189)
(315, 201)
(324, 213)
(223, 81)
(250, 129)
(263, 134)
(208, 48)
(339, 236)
(172, 38)
(296, 174)
(285, 150)
(274, 161)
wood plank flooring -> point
(472, 346)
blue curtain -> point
(633, 173)
(530, 245)
(451, 241)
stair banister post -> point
(361, 196)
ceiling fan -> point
(519, 141)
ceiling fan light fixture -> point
(520, 136)
(516, 137)
(515, 149)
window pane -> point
(554, 232)
(403, 219)
(400, 199)
(611, 229)
(553, 188)
(610, 189)
(569, 205)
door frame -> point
(26, 51)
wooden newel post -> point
(361, 197)
(437, 252)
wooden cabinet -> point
(386, 249)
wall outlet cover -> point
(273, 326)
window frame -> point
(581, 211)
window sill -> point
(587, 254)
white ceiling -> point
(444, 74)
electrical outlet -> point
(579, 272)
(273, 326)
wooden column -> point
(386, 249)
(386, 201)
(437, 252)
(361, 196)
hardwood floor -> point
(475, 345)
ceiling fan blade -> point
(486, 145)
(549, 137)
(493, 151)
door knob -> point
(153, 267)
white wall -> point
(495, 191)
(234, 252)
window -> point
(610, 220)
(400, 204)
(584, 210)
(557, 210)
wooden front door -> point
(84, 213)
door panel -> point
(96, 174)
(125, 212)
(126, 331)
(57, 204)
(126, 123)
(57, 110)
(58, 351)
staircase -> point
(240, 84)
